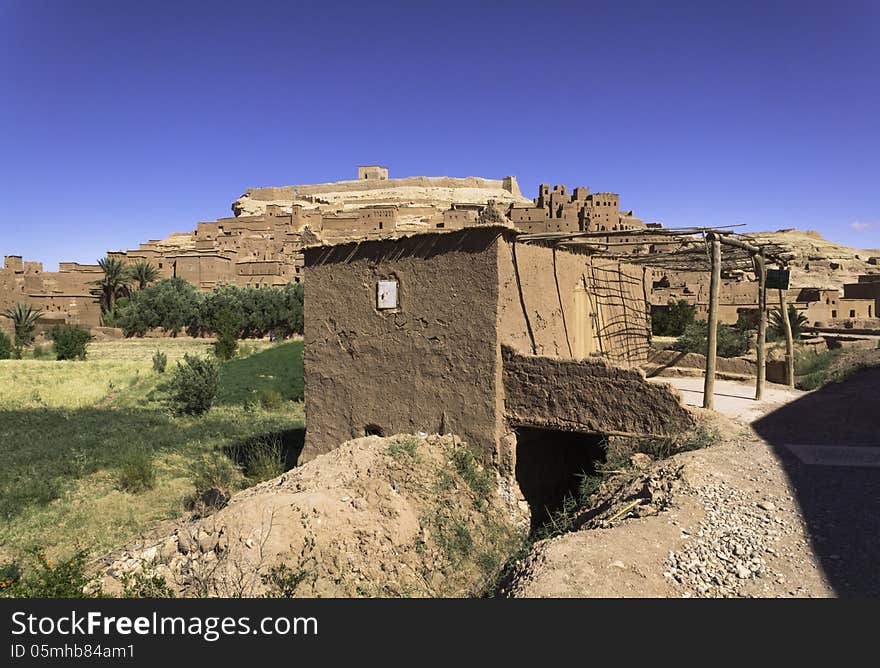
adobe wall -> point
(289, 192)
(589, 396)
(864, 290)
(537, 289)
(402, 369)
(660, 360)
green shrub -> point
(270, 399)
(70, 342)
(145, 585)
(6, 348)
(66, 579)
(214, 471)
(282, 581)
(403, 445)
(814, 370)
(262, 458)
(226, 326)
(194, 384)
(39, 352)
(472, 472)
(137, 473)
(732, 342)
(225, 347)
(160, 361)
(673, 319)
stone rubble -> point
(731, 547)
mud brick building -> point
(518, 348)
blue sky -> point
(125, 121)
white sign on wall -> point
(386, 294)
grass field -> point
(70, 433)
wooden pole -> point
(712, 338)
(789, 340)
(761, 272)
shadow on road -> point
(840, 500)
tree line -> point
(175, 305)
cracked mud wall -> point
(587, 396)
(538, 294)
(404, 369)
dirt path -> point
(787, 505)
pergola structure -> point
(694, 249)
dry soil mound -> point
(398, 516)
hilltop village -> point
(262, 245)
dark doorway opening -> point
(550, 465)
(373, 430)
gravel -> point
(732, 546)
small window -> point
(852, 313)
(833, 314)
(386, 294)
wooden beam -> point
(789, 340)
(712, 338)
(761, 273)
(736, 243)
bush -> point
(673, 319)
(212, 477)
(194, 385)
(160, 361)
(70, 342)
(137, 473)
(263, 458)
(39, 352)
(213, 472)
(270, 399)
(732, 342)
(6, 348)
(145, 585)
(66, 579)
(472, 472)
(227, 326)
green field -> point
(69, 432)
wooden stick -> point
(789, 340)
(712, 338)
(761, 272)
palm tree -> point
(114, 283)
(24, 319)
(143, 273)
(776, 328)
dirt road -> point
(787, 505)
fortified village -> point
(449, 311)
(263, 243)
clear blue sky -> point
(125, 121)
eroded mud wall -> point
(587, 396)
(401, 370)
